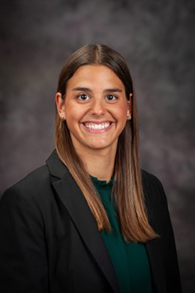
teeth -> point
(97, 126)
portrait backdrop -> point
(157, 40)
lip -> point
(97, 123)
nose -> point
(98, 108)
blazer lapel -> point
(74, 201)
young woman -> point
(89, 220)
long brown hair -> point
(127, 188)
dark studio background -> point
(157, 40)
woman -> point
(89, 220)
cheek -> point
(72, 112)
(121, 113)
(73, 118)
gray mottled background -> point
(157, 40)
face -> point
(95, 108)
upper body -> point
(54, 244)
(57, 233)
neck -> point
(99, 163)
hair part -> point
(127, 188)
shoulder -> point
(32, 187)
(154, 193)
(151, 184)
(148, 179)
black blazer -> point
(49, 241)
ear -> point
(60, 105)
(129, 106)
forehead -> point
(95, 75)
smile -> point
(97, 127)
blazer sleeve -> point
(23, 260)
(170, 254)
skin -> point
(96, 111)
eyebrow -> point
(111, 90)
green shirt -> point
(130, 260)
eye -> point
(111, 97)
(83, 97)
